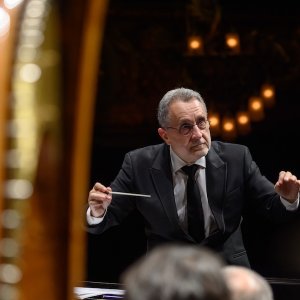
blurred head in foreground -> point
(176, 272)
(245, 284)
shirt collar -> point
(178, 163)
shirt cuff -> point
(290, 206)
(93, 220)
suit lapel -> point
(163, 182)
(216, 172)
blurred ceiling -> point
(145, 54)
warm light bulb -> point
(243, 119)
(256, 109)
(228, 126)
(256, 105)
(214, 121)
(268, 94)
(243, 122)
(195, 44)
(232, 40)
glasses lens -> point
(185, 129)
(202, 125)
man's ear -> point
(163, 134)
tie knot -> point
(190, 170)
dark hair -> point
(179, 94)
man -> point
(245, 284)
(227, 181)
(176, 272)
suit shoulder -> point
(224, 147)
(150, 151)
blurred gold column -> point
(7, 41)
(84, 118)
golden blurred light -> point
(195, 44)
(35, 9)
(9, 292)
(22, 128)
(214, 121)
(228, 128)
(10, 273)
(9, 247)
(243, 118)
(10, 218)
(256, 104)
(268, 95)
(243, 122)
(256, 109)
(18, 189)
(27, 53)
(13, 158)
(232, 40)
(10, 4)
(30, 73)
(4, 22)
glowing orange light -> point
(232, 40)
(256, 105)
(195, 44)
(243, 119)
(256, 109)
(214, 121)
(228, 126)
(268, 93)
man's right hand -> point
(99, 199)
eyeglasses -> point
(186, 129)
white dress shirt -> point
(180, 181)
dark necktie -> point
(194, 205)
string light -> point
(214, 121)
(233, 42)
(195, 44)
(268, 95)
(256, 109)
(228, 128)
(243, 122)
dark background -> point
(144, 55)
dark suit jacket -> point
(234, 183)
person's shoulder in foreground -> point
(176, 272)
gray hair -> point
(176, 272)
(179, 94)
(246, 284)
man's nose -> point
(196, 131)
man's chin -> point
(199, 150)
(200, 147)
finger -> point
(99, 196)
(98, 187)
